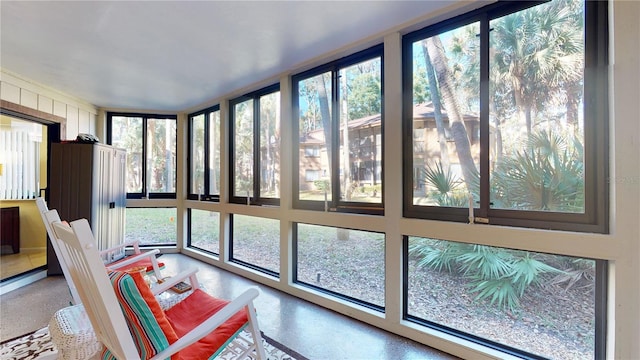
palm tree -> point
(270, 145)
(547, 175)
(214, 178)
(437, 106)
(325, 112)
(447, 93)
(538, 52)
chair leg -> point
(255, 332)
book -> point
(181, 287)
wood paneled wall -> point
(80, 116)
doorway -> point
(25, 141)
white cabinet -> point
(88, 181)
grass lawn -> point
(151, 226)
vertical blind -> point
(20, 161)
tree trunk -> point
(458, 129)
(325, 114)
(150, 171)
(215, 148)
(276, 153)
(437, 108)
(346, 151)
(518, 96)
(498, 137)
(169, 165)
(269, 162)
(573, 100)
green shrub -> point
(497, 275)
(322, 185)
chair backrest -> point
(78, 246)
(43, 209)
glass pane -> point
(205, 230)
(161, 155)
(360, 127)
(151, 226)
(197, 155)
(21, 150)
(446, 109)
(540, 303)
(270, 145)
(214, 153)
(256, 241)
(243, 152)
(314, 99)
(536, 104)
(126, 133)
(347, 262)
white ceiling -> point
(173, 55)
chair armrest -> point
(171, 281)
(207, 326)
(134, 243)
(131, 259)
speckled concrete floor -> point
(311, 330)
(30, 308)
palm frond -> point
(486, 261)
(498, 291)
(526, 271)
(443, 180)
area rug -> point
(38, 345)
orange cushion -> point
(146, 262)
(153, 304)
(195, 309)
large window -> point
(150, 141)
(345, 263)
(204, 154)
(505, 122)
(338, 135)
(255, 243)
(151, 226)
(520, 302)
(204, 230)
(255, 147)
(505, 112)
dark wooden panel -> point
(10, 230)
(70, 181)
(81, 183)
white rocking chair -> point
(139, 258)
(199, 327)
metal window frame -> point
(256, 199)
(143, 194)
(193, 194)
(595, 218)
(335, 204)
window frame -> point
(338, 295)
(143, 194)
(245, 263)
(151, 208)
(193, 194)
(189, 225)
(600, 309)
(256, 199)
(596, 129)
(312, 152)
(335, 204)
